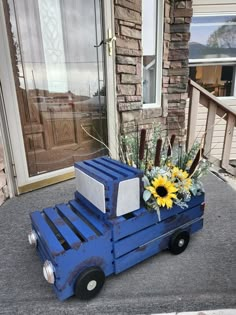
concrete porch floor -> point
(203, 277)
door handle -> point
(110, 41)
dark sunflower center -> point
(161, 191)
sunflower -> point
(164, 191)
(181, 177)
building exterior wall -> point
(128, 24)
(128, 51)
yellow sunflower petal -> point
(169, 203)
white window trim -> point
(159, 55)
(212, 10)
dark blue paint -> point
(96, 239)
(85, 231)
(149, 250)
(135, 240)
(46, 233)
(62, 227)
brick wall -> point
(128, 22)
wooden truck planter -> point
(105, 230)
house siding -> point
(128, 24)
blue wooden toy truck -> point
(105, 230)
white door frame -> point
(23, 181)
(112, 116)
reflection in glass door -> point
(59, 76)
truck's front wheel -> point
(89, 283)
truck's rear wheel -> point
(179, 242)
(89, 283)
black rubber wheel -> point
(89, 283)
(179, 242)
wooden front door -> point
(59, 78)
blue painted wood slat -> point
(134, 241)
(88, 205)
(46, 233)
(65, 231)
(149, 250)
(121, 165)
(83, 229)
(166, 213)
(102, 168)
(98, 175)
(123, 228)
(124, 172)
(89, 216)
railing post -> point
(192, 116)
(228, 138)
(209, 128)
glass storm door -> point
(59, 78)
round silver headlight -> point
(48, 271)
(32, 237)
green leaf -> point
(146, 181)
(146, 195)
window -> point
(212, 51)
(152, 34)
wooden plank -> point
(144, 218)
(134, 224)
(192, 117)
(123, 166)
(209, 128)
(98, 175)
(65, 231)
(208, 96)
(115, 175)
(150, 249)
(46, 233)
(89, 216)
(89, 205)
(144, 236)
(76, 221)
(124, 172)
(229, 131)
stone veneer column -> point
(177, 17)
(128, 61)
(175, 63)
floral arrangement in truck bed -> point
(171, 175)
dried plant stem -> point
(171, 142)
(142, 144)
(97, 140)
(158, 153)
